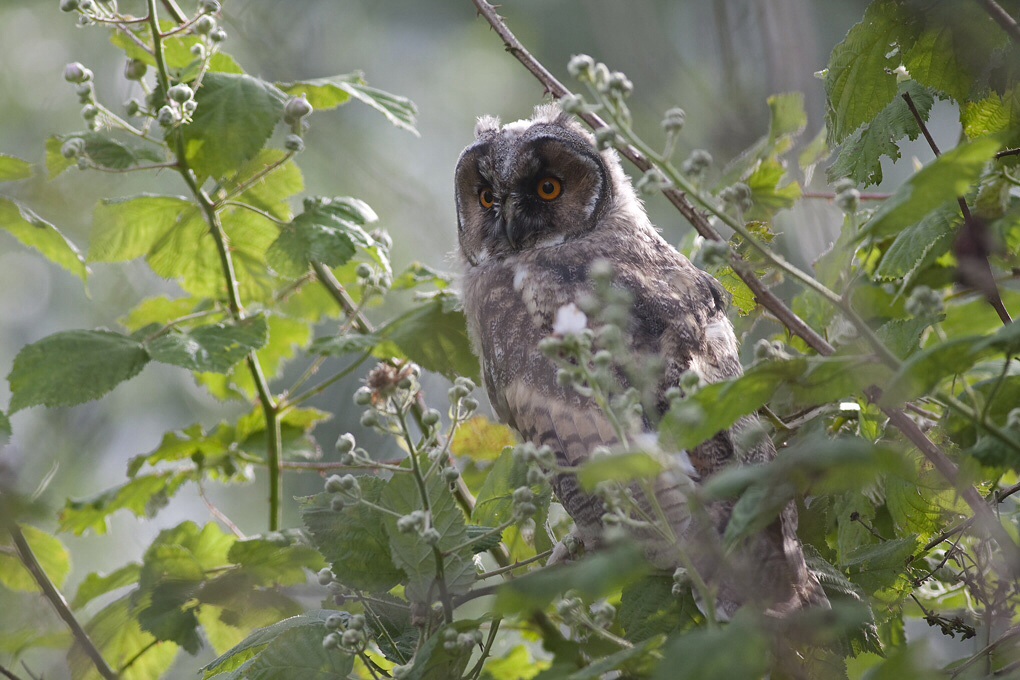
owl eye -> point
(485, 198)
(549, 188)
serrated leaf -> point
(13, 168)
(649, 608)
(716, 407)
(228, 666)
(926, 369)
(73, 367)
(410, 553)
(272, 191)
(298, 653)
(115, 631)
(861, 154)
(620, 467)
(48, 550)
(316, 236)
(767, 196)
(160, 311)
(594, 576)
(938, 183)
(494, 504)
(176, 50)
(34, 232)
(216, 348)
(434, 661)
(126, 228)
(296, 425)
(435, 336)
(95, 584)
(991, 115)
(860, 82)
(738, 650)
(873, 567)
(903, 336)
(353, 540)
(328, 93)
(741, 296)
(143, 496)
(481, 439)
(103, 150)
(286, 335)
(919, 245)
(5, 425)
(234, 117)
(281, 558)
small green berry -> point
(166, 116)
(75, 72)
(324, 576)
(180, 93)
(68, 5)
(296, 109)
(451, 474)
(430, 418)
(209, 6)
(294, 143)
(205, 25)
(334, 621)
(134, 69)
(89, 112)
(218, 35)
(345, 443)
(331, 641)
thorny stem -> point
(56, 598)
(253, 180)
(516, 565)
(763, 295)
(476, 671)
(274, 438)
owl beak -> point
(507, 222)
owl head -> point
(536, 183)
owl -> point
(537, 205)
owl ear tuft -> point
(486, 124)
(550, 113)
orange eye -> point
(485, 198)
(549, 188)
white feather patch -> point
(569, 320)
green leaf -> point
(160, 311)
(353, 540)
(621, 467)
(73, 367)
(938, 183)
(919, 245)
(48, 550)
(788, 117)
(495, 504)
(481, 439)
(176, 50)
(859, 82)
(716, 407)
(127, 228)
(991, 115)
(903, 336)
(767, 196)
(233, 664)
(13, 168)
(434, 335)
(173, 570)
(329, 93)
(594, 576)
(860, 157)
(741, 296)
(143, 496)
(272, 191)
(649, 608)
(234, 118)
(434, 661)
(298, 653)
(5, 425)
(410, 553)
(874, 567)
(926, 369)
(34, 232)
(95, 585)
(738, 650)
(120, 639)
(214, 348)
(279, 558)
(329, 232)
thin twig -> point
(1002, 18)
(831, 195)
(764, 296)
(56, 598)
(515, 565)
(339, 293)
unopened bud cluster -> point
(738, 196)
(848, 198)
(454, 641)
(696, 165)
(346, 488)
(924, 302)
(347, 633)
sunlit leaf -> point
(13, 168)
(34, 232)
(49, 552)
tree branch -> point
(765, 297)
(56, 599)
(1002, 18)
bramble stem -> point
(274, 438)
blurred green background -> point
(718, 59)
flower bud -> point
(296, 109)
(324, 576)
(431, 536)
(166, 116)
(294, 143)
(581, 66)
(619, 84)
(849, 200)
(218, 35)
(345, 443)
(333, 484)
(924, 301)
(352, 638)
(430, 418)
(134, 69)
(331, 641)
(189, 106)
(523, 494)
(469, 404)
(697, 163)
(652, 181)
(363, 396)
(451, 474)
(605, 138)
(334, 621)
(88, 112)
(132, 107)
(572, 103)
(75, 72)
(180, 93)
(68, 5)
(209, 6)
(674, 120)
(205, 25)
(73, 147)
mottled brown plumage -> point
(527, 259)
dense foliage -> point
(890, 384)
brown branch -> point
(1002, 18)
(1008, 152)
(971, 247)
(764, 296)
(56, 598)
